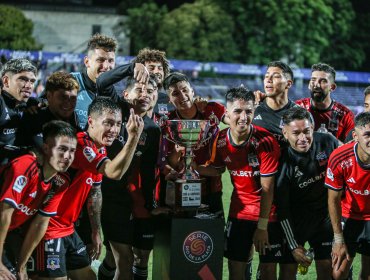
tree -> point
(296, 31)
(143, 23)
(198, 31)
(16, 30)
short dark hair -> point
(367, 91)
(362, 119)
(151, 55)
(61, 80)
(325, 68)
(103, 104)
(174, 78)
(296, 113)
(287, 71)
(239, 93)
(130, 82)
(18, 65)
(56, 128)
(100, 41)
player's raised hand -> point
(259, 96)
(141, 74)
(134, 125)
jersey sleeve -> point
(14, 182)
(269, 153)
(87, 156)
(60, 184)
(334, 176)
(282, 200)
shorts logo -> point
(197, 247)
(330, 174)
(53, 263)
(19, 183)
(89, 154)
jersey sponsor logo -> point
(227, 159)
(221, 143)
(26, 210)
(253, 160)
(53, 262)
(198, 247)
(330, 174)
(89, 154)
(322, 158)
(351, 180)
(346, 163)
(90, 181)
(241, 173)
(258, 117)
(297, 172)
(7, 131)
(33, 195)
(359, 192)
(19, 183)
(312, 180)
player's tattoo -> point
(94, 203)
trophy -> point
(185, 193)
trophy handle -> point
(213, 120)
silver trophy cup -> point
(185, 192)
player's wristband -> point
(339, 238)
(262, 223)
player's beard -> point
(318, 95)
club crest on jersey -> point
(19, 183)
(330, 174)
(53, 263)
(142, 139)
(89, 154)
(322, 158)
(253, 160)
(254, 142)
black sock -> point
(106, 272)
(248, 270)
(140, 273)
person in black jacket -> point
(18, 78)
(301, 197)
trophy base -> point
(185, 195)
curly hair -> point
(61, 80)
(147, 55)
(100, 41)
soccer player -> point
(30, 189)
(132, 196)
(18, 77)
(61, 92)
(63, 253)
(251, 155)
(337, 118)
(156, 63)
(277, 82)
(300, 195)
(100, 58)
(181, 95)
(347, 179)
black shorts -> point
(357, 236)
(239, 240)
(117, 224)
(55, 257)
(318, 232)
(83, 226)
(143, 233)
